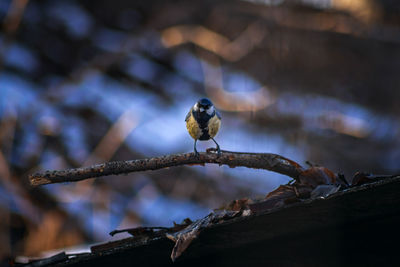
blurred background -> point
(84, 82)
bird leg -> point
(218, 149)
(195, 150)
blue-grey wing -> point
(188, 115)
(218, 115)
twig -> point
(10, 27)
(140, 231)
(266, 161)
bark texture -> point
(266, 161)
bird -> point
(203, 122)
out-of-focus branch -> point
(10, 26)
(266, 161)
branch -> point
(266, 161)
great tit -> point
(203, 122)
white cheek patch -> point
(196, 107)
(210, 110)
(201, 109)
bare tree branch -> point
(266, 161)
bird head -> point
(204, 105)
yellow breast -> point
(213, 126)
(193, 128)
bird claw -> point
(217, 148)
(218, 151)
(214, 150)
